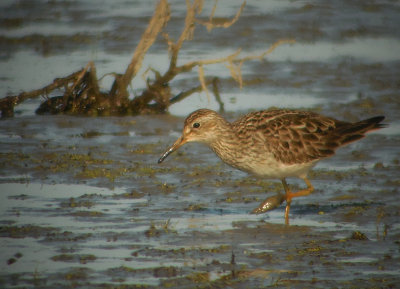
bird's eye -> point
(196, 125)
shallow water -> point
(84, 204)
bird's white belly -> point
(270, 168)
(280, 171)
(264, 165)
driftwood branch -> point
(214, 82)
(157, 90)
(8, 103)
(157, 23)
(82, 93)
(234, 63)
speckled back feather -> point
(299, 136)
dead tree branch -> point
(160, 18)
(82, 93)
(158, 90)
(8, 103)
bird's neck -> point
(225, 144)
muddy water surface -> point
(84, 204)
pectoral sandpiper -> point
(273, 144)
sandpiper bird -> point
(273, 144)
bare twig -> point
(188, 66)
(236, 73)
(225, 23)
(203, 82)
(215, 83)
(157, 23)
(265, 53)
(234, 63)
(78, 80)
(182, 95)
(187, 32)
(7, 104)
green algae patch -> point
(61, 162)
(77, 274)
(158, 272)
(82, 259)
(195, 208)
(151, 171)
(101, 172)
(219, 249)
(237, 197)
(165, 272)
(87, 214)
(199, 277)
(147, 171)
(63, 258)
(12, 159)
(344, 197)
(312, 249)
(159, 229)
(73, 203)
(149, 148)
(88, 167)
(355, 211)
(357, 235)
(26, 231)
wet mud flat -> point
(84, 204)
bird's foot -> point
(269, 204)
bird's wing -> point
(292, 136)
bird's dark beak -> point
(179, 142)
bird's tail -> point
(355, 131)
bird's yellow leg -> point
(289, 195)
